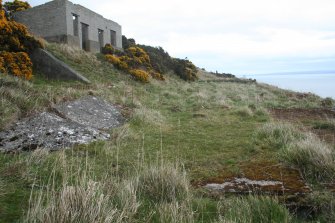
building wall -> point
(95, 22)
(47, 20)
(54, 22)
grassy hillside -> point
(178, 135)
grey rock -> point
(48, 131)
(91, 111)
(79, 122)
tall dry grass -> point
(176, 212)
(149, 116)
(83, 202)
(2, 189)
(81, 197)
(277, 135)
(315, 158)
(328, 124)
(164, 183)
(76, 54)
(322, 202)
(17, 97)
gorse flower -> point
(134, 61)
(17, 64)
(15, 43)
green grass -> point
(253, 209)
(277, 135)
(205, 127)
(325, 125)
(313, 157)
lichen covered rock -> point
(79, 122)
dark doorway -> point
(113, 38)
(84, 37)
(75, 24)
(101, 38)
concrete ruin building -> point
(64, 22)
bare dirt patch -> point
(309, 119)
(259, 178)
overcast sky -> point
(237, 36)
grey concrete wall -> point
(53, 68)
(53, 21)
(95, 22)
(47, 20)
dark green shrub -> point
(17, 6)
(126, 43)
(327, 103)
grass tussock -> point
(244, 112)
(164, 184)
(149, 116)
(37, 157)
(261, 111)
(160, 190)
(84, 202)
(175, 212)
(17, 97)
(253, 209)
(322, 202)
(250, 111)
(313, 157)
(329, 124)
(1, 187)
(277, 135)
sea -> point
(322, 84)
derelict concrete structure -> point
(64, 22)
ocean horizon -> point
(319, 83)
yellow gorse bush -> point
(116, 61)
(17, 64)
(15, 43)
(134, 61)
(2, 65)
(140, 75)
(139, 55)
